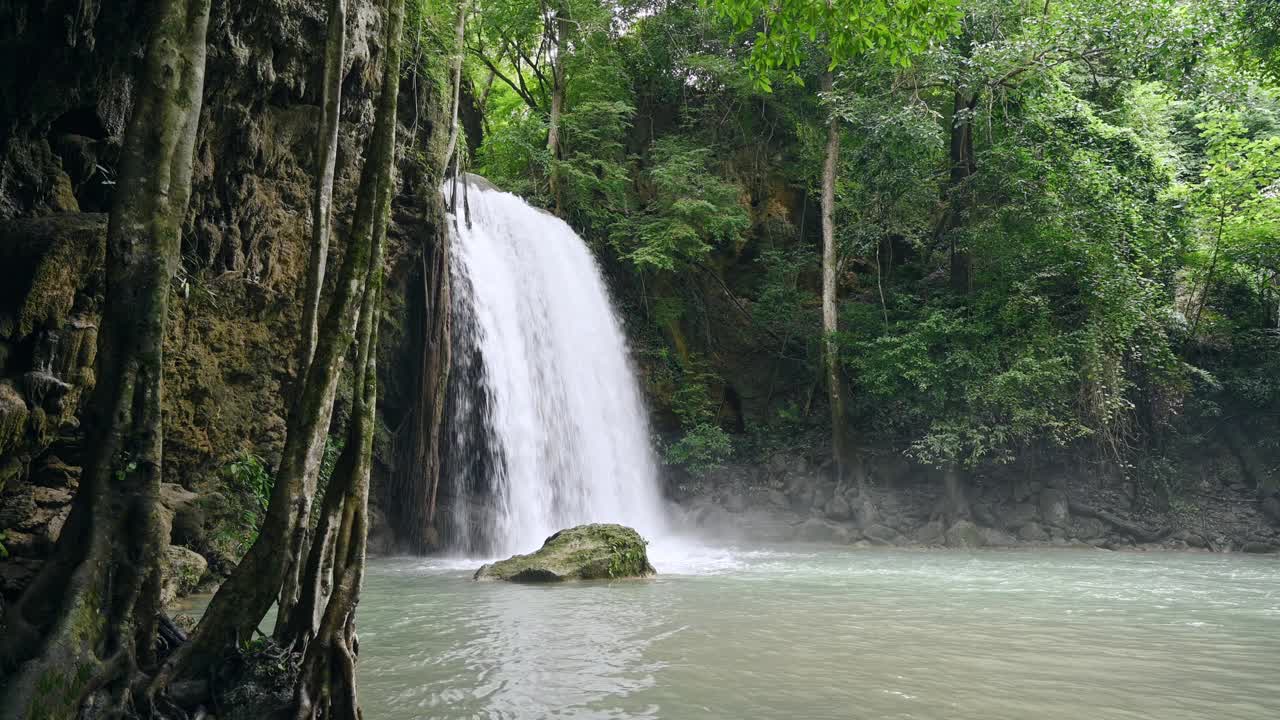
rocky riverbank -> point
(790, 499)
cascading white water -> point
(546, 406)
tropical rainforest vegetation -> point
(968, 232)
(1037, 224)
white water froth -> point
(566, 430)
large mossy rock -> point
(585, 552)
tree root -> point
(1137, 532)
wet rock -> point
(801, 499)
(16, 573)
(735, 503)
(1032, 532)
(964, 534)
(381, 540)
(182, 509)
(1271, 508)
(1257, 547)
(778, 498)
(24, 544)
(47, 496)
(1018, 515)
(881, 535)
(13, 417)
(181, 571)
(1194, 540)
(839, 509)
(1088, 528)
(1022, 490)
(991, 537)
(16, 505)
(585, 552)
(11, 469)
(711, 516)
(817, 530)
(865, 512)
(931, 533)
(1053, 507)
(53, 472)
(823, 494)
(985, 515)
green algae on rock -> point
(585, 552)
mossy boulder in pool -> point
(585, 552)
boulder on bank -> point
(585, 552)
(181, 571)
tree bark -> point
(242, 601)
(89, 618)
(327, 683)
(326, 159)
(962, 168)
(322, 202)
(561, 28)
(830, 316)
(459, 32)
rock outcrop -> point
(229, 351)
(585, 552)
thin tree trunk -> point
(327, 683)
(434, 378)
(90, 615)
(459, 33)
(322, 202)
(1208, 278)
(557, 110)
(962, 168)
(830, 318)
(242, 601)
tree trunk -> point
(327, 683)
(830, 317)
(327, 154)
(242, 601)
(557, 110)
(962, 168)
(957, 499)
(459, 32)
(326, 159)
(89, 618)
(418, 441)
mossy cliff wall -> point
(67, 69)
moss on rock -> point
(13, 418)
(585, 552)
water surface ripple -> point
(807, 632)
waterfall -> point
(546, 424)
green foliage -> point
(690, 212)
(237, 528)
(1258, 24)
(248, 473)
(1118, 208)
(846, 30)
(627, 557)
(701, 449)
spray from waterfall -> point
(546, 424)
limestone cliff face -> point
(67, 70)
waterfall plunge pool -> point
(829, 632)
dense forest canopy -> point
(1056, 221)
